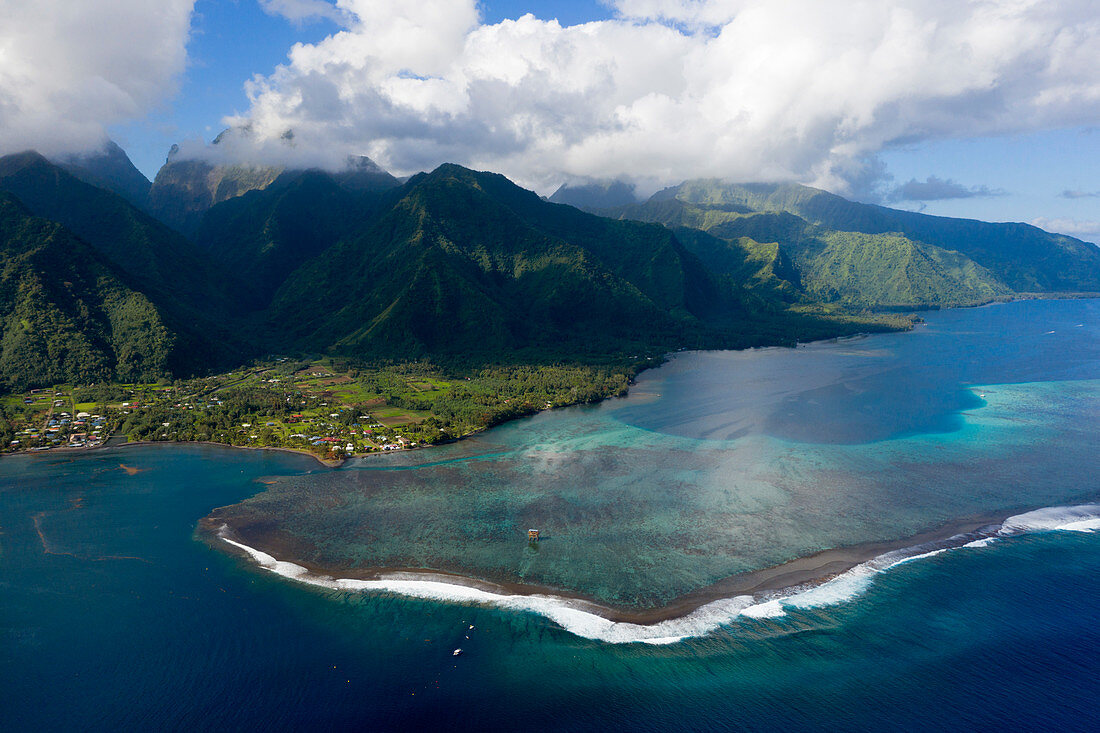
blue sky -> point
(819, 91)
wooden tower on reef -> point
(532, 535)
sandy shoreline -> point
(806, 571)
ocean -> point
(116, 613)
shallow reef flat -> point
(725, 464)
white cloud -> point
(69, 68)
(299, 11)
(807, 90)
(939, 189)
(1080, 228)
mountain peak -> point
(111, 168)
(18, 161)
(185, 188)
(596, 195)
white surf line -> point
(1082, 518)
(848, 585)
(706, 619)
(561, 611)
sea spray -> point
(1083, 518)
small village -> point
(60, 425)
(327, 408)
(314, 410)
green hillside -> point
(465, 266)
(811, 263)
(466, 262)
(1023, 257)
(156, 257)
(462, 264)
(763, 272)
(112, 169)
(888, 271)
(66, 314)
(191, 292)
(185, 189)
(259, 238)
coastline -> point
(108, 445)
(913, 312)
(760, 593)
(797, 575)
(330, 463)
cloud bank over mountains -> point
(68, 68)
(769, 90)
(1084, 229)
(939, 189)
(670, 89)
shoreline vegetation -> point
(334, 408)
(379, 408)
(328, 408)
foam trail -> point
(1084, 518)
(561, 611)
(854, 582)
(767, 609)
(574, 616)
(850, 584)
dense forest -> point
(110, 278)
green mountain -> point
(595, 195)
(157, 257)
(190, 290)
(184, 190)
(821, 265)
(263, 236)
(1023, 257)
(463, 266)
(110, 168)
(870, 264)
(762, 270)
(459, 262)
(69, 315)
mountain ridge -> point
(184, 189)
(457, 264)
(530, 284)
(1009, 250)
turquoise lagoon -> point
(116, 615)
(722, 463)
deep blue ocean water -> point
(113, 616)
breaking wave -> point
(582, 619)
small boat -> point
(456, 652)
